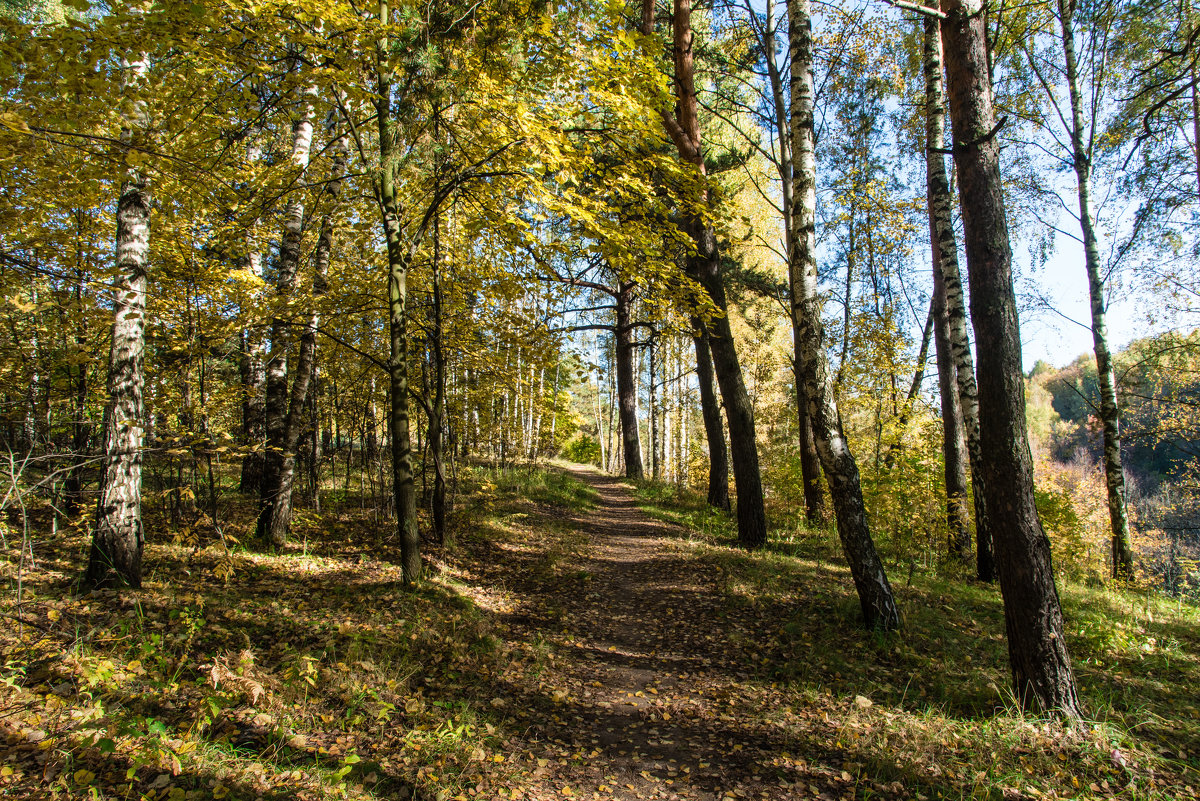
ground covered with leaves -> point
(574, 641)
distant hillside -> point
(1158, 382)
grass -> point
(308, 674)
(935, 699)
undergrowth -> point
(932, 703)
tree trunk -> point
(710, 411)
(627, 384)
(253, 366)
(437, 407)
(275, 461)
(705, 267)
(1041, 666)
(941, 217)
(281, 517)
(1114, 472)
(116, 553)
(937, 200)
(399, 257)
(953, 452)
(841, 471)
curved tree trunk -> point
(116, 554)
(1041, 666)
(841, 471)
(1114, 473)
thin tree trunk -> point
(281, 516)
(655, 464)
(253, 365)
(1041, 666)
(841, 471)
(627, 384)
(710, 411)
(276, 405)
(953, 452)
(941, 217)
(1114, 472)
(399, 258)
(437, 408)
(116, 553)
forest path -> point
(651, 687)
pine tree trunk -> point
(627, 384)
(437, 407)
(841, 471)
(1114, 472)
(1038, 656)
(704, 266)
(942, 220)
(275, 461)
(116, 553)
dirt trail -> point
(653, 690)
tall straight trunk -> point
(953, 451)
(81, 425)
(945, 246)
(116, 553)
(627, 383)
(704, 266)
(276, 403)
(306, 360)
(655, 462)
(710, 411)
(437, 406)
(399, 258)
(253, 364)
(1081, 155)
(810, 461)
(841, 471)
(1041, 666)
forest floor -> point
(580, 638)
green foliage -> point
(583, 449)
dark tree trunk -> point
(841, 471)
(1041, 666)
(399, 258)
(626, 383)
(704, 267)
(714, 430)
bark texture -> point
(276, 402)
(399, 259)
(116, 553)
(1041, 666)
(841, 470)
(941, 220)
(941, 240)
